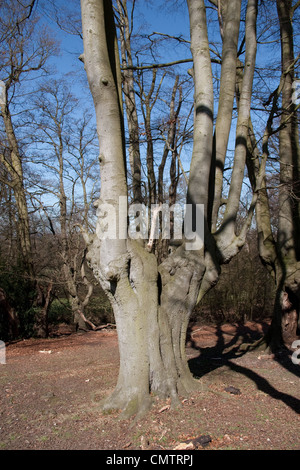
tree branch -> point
(167, 64)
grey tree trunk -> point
(152, 304)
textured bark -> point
(288, 142)
(288, 241)
(231, 26)
(203, 106)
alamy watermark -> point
(296, 91)
(2, 352)
(137, 221)
(296, 354)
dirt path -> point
(50, 393)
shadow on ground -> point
(224, 353)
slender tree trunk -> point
(227, 90)
(14, 166)
(204, 106)
(227, 232)
(170, 146)
(130, 101)
(43, 301)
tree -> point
(23, 53)
(65, 147)
(279, 246)
(130, 101)
(25, 49)
(152, 303)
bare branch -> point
(167, 64)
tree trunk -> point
(43, 302)
(227, 90)
(152, 308)
(9, 321)
(13, 164)
(131, 110)
(282, 256)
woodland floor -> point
(50, 394)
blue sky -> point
(149, 16)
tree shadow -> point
(224, 352)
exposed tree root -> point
(259, 345)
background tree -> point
(24, 51)
(157, 127)
(279, 244)
(26, 47)
(65, 148)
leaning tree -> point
(152, 302)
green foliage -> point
(60, 312)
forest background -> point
(49, 167)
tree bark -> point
(227, 232)
(204, 106)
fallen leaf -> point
(185, 446)
(164, 408)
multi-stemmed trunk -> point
(153, 303)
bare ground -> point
(51, 390)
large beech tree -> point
(152, 302)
